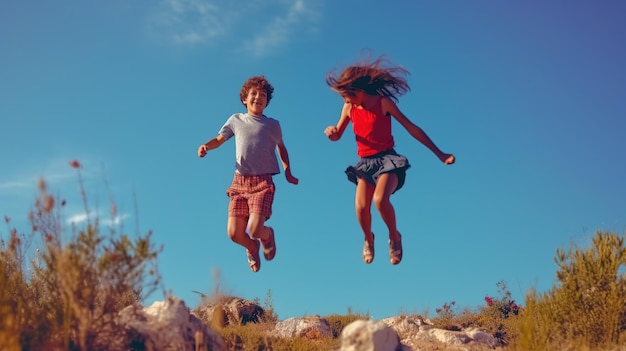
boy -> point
(252, 190)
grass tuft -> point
(67, 294)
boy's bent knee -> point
(257, 232)
(233, 235)
(236, 229)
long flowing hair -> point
(375, 78)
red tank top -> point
(372, 129)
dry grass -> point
(67, 295)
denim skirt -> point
(371, 167)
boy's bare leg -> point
(257, 227)
(237, 233)
(385, 186)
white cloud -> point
(255, 27)
(19, 190)
(289, 21)
(118, 220)
(53, 172)
(191, 21)
(78, 218)
(82, 218)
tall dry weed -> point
(68, 295)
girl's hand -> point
(332, 133)
(448, 159)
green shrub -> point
(446, 317)
(500, 316)
(68, 295)
(338, 322)
(586, 308)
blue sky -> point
(530, 97)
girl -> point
(370, 92)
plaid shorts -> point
(251, 194)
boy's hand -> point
(332, 133)
(290, 178)
(202, 150)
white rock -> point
(367, 335)
(311, 327)
(168, 326)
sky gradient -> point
(529, 96)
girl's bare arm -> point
(334, 133)
(416, 132)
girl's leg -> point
(237, 233)
(385, 186)
(363, 204)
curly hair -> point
(256, 82)
(375, 78)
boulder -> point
(169, 326)
(310, 327)
(229, 310)
(368, 335)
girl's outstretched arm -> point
(284, 158)
(334, 133)
(210, 145)
(416, 132)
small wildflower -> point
(15, 241)
(63, 202)
(75, 164)
(489, 301)
(7, 219)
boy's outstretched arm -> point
(416, 132)
(284, 158)
(210, 145)
(334, 133)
